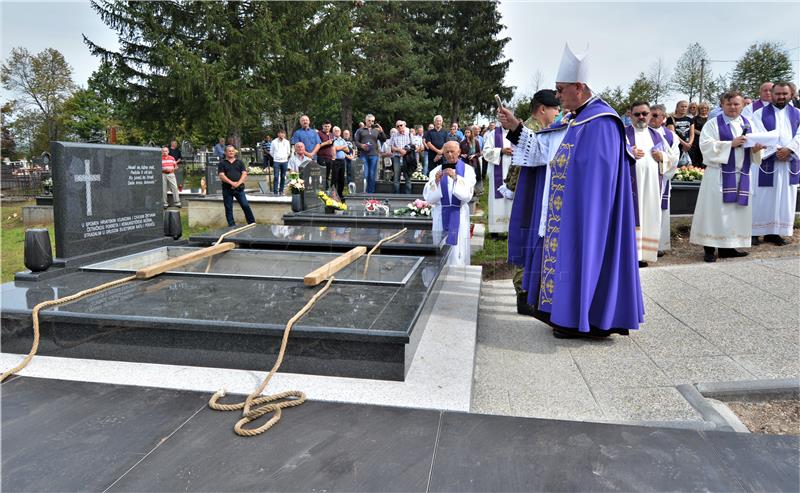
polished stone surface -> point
(70, 436)
(356, 216)
(379, 269)
(105, 196)
(328, 238)
(226, 322)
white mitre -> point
(573, 68)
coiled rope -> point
(268, 403)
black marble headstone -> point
(105, 196)
(314, 177)
(357, 169)
(213, 183)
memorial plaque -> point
(357, 169)
(213, 183)
(105, 196)
(314, 176)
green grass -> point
(493, 250)
(12, 242)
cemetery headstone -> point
(313, 175)
(105, 196)
(357, 169)
(213, 183)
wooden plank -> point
(319, 275)
(161, 267)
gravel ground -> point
(777, 417)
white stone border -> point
(440, 376)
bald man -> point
(449, 189)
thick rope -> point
(56, 302)
(271, 403)
(86, 292)
(378, 245)
(223, 236)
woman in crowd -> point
(351, 151)
(699, 121)
(342, 152)
(471, 150)
(693, 112)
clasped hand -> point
(449, 172)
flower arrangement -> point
(256, 170)
(417, 175)
(417, 208)
(688, 173)
(373, 205)
(47, 184)
(296, 184)
(329, 202)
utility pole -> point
(702, 75)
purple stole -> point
(630, 133)
(498, 169)
(757, 105)
(666, 188)
(730, 192)
(767, 168)
(451, 209)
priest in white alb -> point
(498, 154)
(648, 147)
(658, 115)
(449, 189)
(722, 217)
(775, 180)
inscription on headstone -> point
(104, 196)
(313, 175)
(357, 170)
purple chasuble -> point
(730, 192)
(767, 167)
(588, 276)
(451, 209)
(498, 168)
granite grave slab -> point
(339, 239)
(357, 217)
(105, 196)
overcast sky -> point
(624, 38)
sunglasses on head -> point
(644, 113)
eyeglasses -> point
(645, 113)
(655, 115)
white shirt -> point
(280, 150)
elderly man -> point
(649, 148)
(434, 141)
(658, 114)
(776, 179)
(367, 139)
(764, 99)
(401, 145)
(168, 167)
(581, 272)
(298, 159)
(723, 217)
(307, 135)
(449, 190)
(233, 173)
(544, 108)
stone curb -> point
(704, 407)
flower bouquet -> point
(256, 170)
(330, 204)
(418, 175)
(417, 208)
(376, 206)
(296, 184)
(688, 173)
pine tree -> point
(762, 62)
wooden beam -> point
(161, 267)
(319, 275)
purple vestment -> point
(584, 272)
(451, 209)
(767, 168)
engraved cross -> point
(87, 177)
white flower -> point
(413, 214)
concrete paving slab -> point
(703, 369)
(769, 366)
(603, 372)
(645, 404)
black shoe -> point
(755, 241)
(709, 254)
(565, 334)
(660, 253)
(775, 240)
(642, 264)
(523, 308)
(731, 253)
